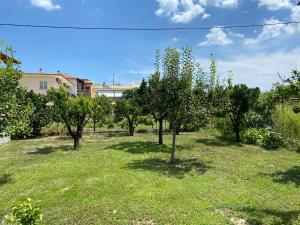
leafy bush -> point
(253, 136)
(272, 140)
(225, 127)
(25, 213)
(287, 123)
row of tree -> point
(179, 91)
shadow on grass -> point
(139, 147)
(4, 179)
(178, 170)
(46, 150)
(291, 175)
(218, 142)
(273, 216)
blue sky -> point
(255, 55)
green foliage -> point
(225, 127)
(287, 123)
(146, 120)
(296, 108)
(253, 135)
(74, 111)
(15, 109)
(40, 116)
(102, 107)
(25, 213)
(129, 109)
(239, 100)
(272, 140)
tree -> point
(239, 100)
(14, 110)
(41, 116)
(177, 75)
(157, 100)
(74, 111)
(129, 109)
(101, 108)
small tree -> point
(101, 108)
(74, 111)
(129, 109)
(239, 99)
(41, 116)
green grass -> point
(128, 180)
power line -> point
(145, 29)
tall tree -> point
(157, 100)
(178, 85)
(74, 111)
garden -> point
(187, 147)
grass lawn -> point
(127, 180)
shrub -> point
(253, 136)
(25, 213)
(287, 123)
(272, 140)
(225, 127)
(250, 136)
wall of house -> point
(33, 83)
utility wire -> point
(146, 29)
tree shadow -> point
(218, 142)
(139, 147)
(5, 178)
(164, 167)
(46, 150)
(256, 216)
(291, 175)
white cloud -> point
(275, 4)
(167, 7)
(216, 36)
(295, 14)
(258, 69)
(175, 39)
(184, 11)
(190, 12)
(205, 16)
(269, 32)
(225, 3)
(45, 4)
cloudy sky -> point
(254, 55)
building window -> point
(43, 85)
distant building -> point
(113, 92)
(41, 82)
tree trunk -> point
(173, 146)
(57, 124)
(160, 132)
(177, 130)
(76, 139)
(131, 131)
(131, 128)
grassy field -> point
(127, 180)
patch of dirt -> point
(144, 222)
